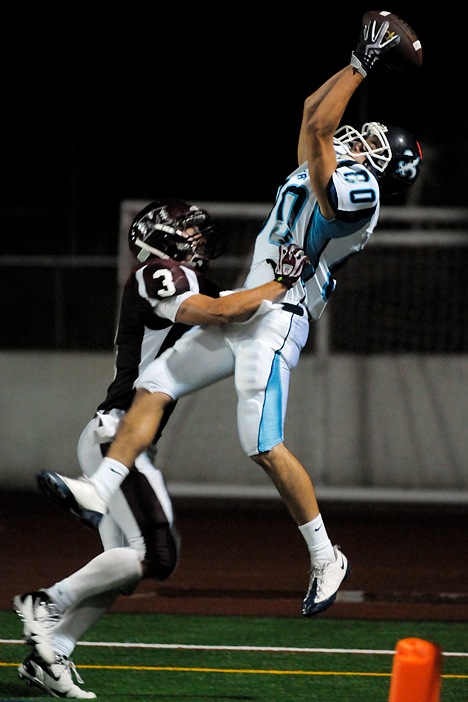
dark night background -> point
(97, 110)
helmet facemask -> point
(377, 157)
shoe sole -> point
(32, 681)
(57, 491)
(322, 606)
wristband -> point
(356, 63)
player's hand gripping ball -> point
(407, 55)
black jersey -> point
(142, 334)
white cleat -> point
(78, 496)
(39, 616)
(325, 580)
(55, 679)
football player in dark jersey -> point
(173, 242)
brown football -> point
(407, 55)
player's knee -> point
(262, 459)
(258, 458)
(268, 459)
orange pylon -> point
(416, 673)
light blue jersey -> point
(263, 351)
(296, 218)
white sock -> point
(116, 568)
(108, 478)
(316, 537)
(76, 620)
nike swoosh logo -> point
(318, 528)
(116, 471)
(50, 672)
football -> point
(407, 55)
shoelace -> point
(69, 668)
(316, 573)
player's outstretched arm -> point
(239, 306)
(324, 108)
(321, 119)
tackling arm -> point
(235, 307)
(239, 306)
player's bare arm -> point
(322, 116)
(313, 100)
(324, 109)
(235, 307)
(239, 306)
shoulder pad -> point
(353, 191)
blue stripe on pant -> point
(271, 425)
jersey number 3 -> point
(166, 286)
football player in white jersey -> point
(328, 206)
(173, 242)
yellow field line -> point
(241, 671)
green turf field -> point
(180, 658)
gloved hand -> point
(373, 42)
(291, 261)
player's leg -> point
(152, 523)
(200, 357)
(48, 611)
(329, 566)
(266, 352)
(92, 447)
(56, 678)
(262, 374)
(76, 621)
(88, 498)
(141, 515)
(42, 610)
